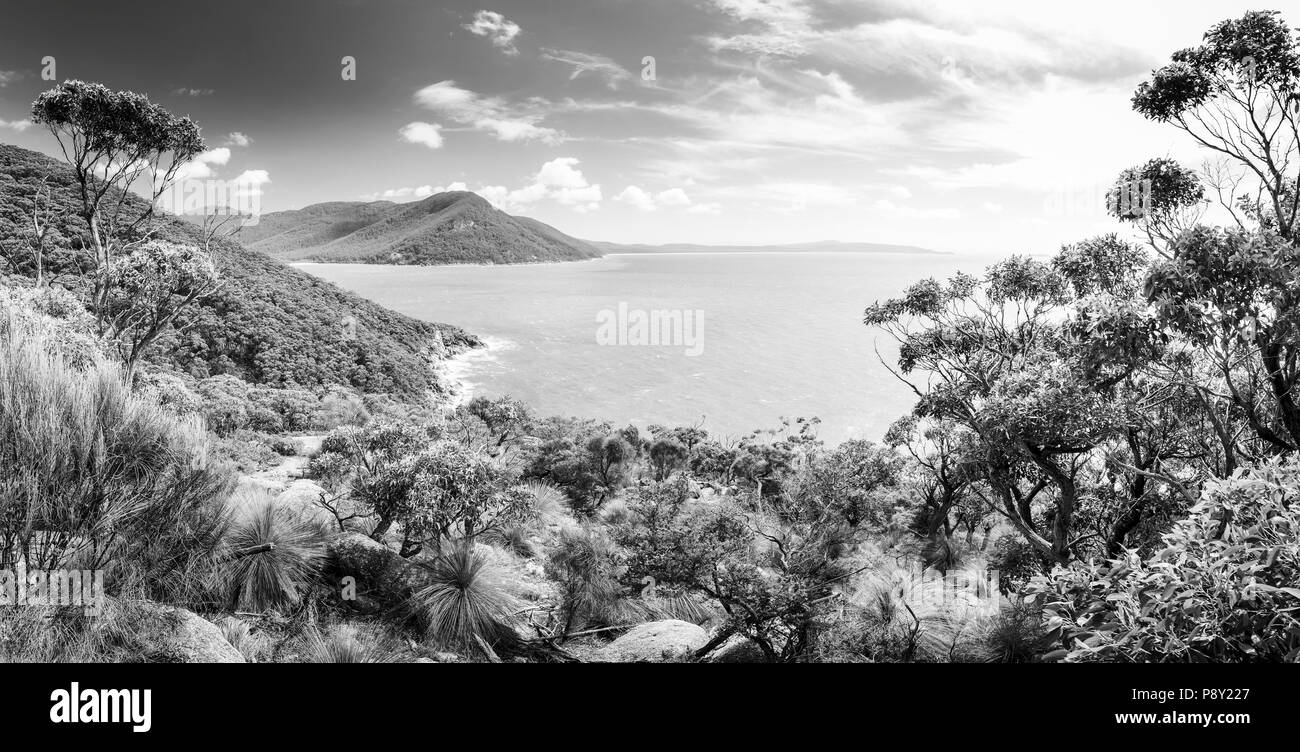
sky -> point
(972, 127)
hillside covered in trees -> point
(265, 322)
(454, 227)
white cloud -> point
(516, 130)
(185, 91)
(496, 27)
(645, 201)
(7, 77)
(494, 115)
(583, 199)
(561, 172)
(558, 180)
(238, 139)
(18, 125)
(427, 134)
(784, 26)
(200, 167)
(673, 197)
(250, 182)
(597, 66)
(636, 197)
(414, 192)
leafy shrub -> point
(1223, 589)
(53, 313)
(1016, 561)
(338, 409)
(245, 451)
(168, 390)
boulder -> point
(381, 575)
(738, 649)
(655, 642)
(174, 635)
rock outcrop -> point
(655, 642)
(174, 635)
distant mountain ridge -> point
(822, 246)
(446, 228)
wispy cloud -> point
(504, 120)
(17, 125)
(584, 63)
(185, 91)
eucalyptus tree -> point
(119, 143)
(1232, 293)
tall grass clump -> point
(92, 474)
(550, 504)
(341, 643)
(893, 616)
(253, 647)
(463, 606)
(274, 554)
(587, 565)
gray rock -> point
(175, 635)
(738, 649)
(382, 577)
(655, 642)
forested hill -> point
(267, 323)
(446, 228)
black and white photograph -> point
(577, 335)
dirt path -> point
(284, 482)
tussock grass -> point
(253, 647)
(463, 602)
(550, 504)
(343, 643)
(272, 579)
(584, 563)
(94, 476)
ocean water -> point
(745, 338)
